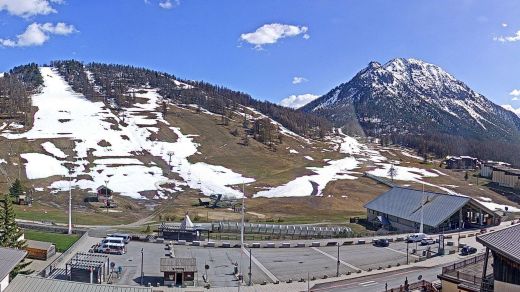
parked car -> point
(113, 240)
(467, 250)
(427, 241)
(381, 242)
(111, 248)
(417, 237)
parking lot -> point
(267, 264)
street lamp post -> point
(407, 262)
(106, 194)
(142, 261)
(70, 203)
(337, 264)
(250, 271)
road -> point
(377, 282)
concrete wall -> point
(504, 287)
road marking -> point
(401, 252)
(369, 283)
(259, 265)
(335, 258)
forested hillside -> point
(114, 83)
(15, 88)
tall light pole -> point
(142, 261)
(70, 202)
(250, 270)
(337, 264)
(421, 229)
(106, 194)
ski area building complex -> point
(399, 209)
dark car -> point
(382, 242)
(467, 250)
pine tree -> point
(11, 233)
(392, 172)
(16, 188)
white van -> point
(113, 240)
(125, 237)
(417, 237)
(112, 248)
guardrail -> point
(49, 228)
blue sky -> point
(322, 42)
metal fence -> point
(417, 286)
(464, 263)
(281, 231)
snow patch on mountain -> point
(52, 149)
(42, 166)
(512, 109)
(111, 141)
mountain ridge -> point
(412, 97)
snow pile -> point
(118, 161)
(438, 171)
(292, 151)
(407, 154)
(42, 166)
(308, 158)
(113, 143)
(401, 172)
(487, 202)
(2, 161)
(52, 149)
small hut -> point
(179, 271)
(40, 250)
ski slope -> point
(108, 148)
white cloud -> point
(511, 38)
(298, 80)
(297, 101)
(504, 24)
(36, 34)
(515, 93)
(28, 8)
(271, 33)
(168, 4)
(511, 108)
